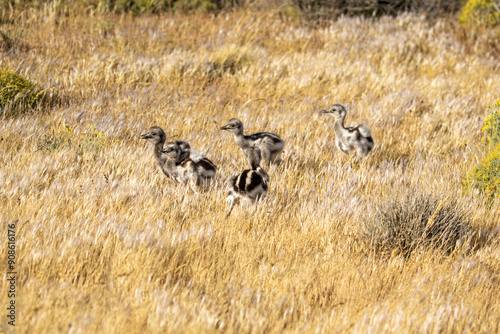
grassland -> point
(107, 244)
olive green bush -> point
(17, 92)
(480, 13)
(491, 128)
(486, 176)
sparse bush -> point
(53, 142)
(481, 12)
(91, 141)
(16, 91)
(413, 221)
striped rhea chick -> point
(251, 184)
(270, 145)
(196, 172)
(357, 138)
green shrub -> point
(480, 12)
(16, 91)
(491, 128)
(415, 220)
(486, 176)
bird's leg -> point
(276, 158)
(266, 154)
(192, 185)
(192, 177)
(231, 201)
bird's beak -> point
(325, 111)
(224, 127)
(146, 135)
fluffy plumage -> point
(251, 184)
(204, 167)
(357, 138)
(270, 145)
(196, 173)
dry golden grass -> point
(107, 244)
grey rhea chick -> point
(187, 171)
(251, 184)
(357, 138)
(187, 152)
(157, 137)
(270, 145)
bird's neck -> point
(171, 166)
(157, 154)
(160, 159)
(240, 139)
(338, 126)
(158, 147)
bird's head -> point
(155, 135)
(234, 126)
(171, 150)
(337, 111)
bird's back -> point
(259, 136)
(205, 168)
(249, 183)
(364, 130)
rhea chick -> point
(196, 173)
(270, 145)
(357, 138)
(157, 137)
(251, 184)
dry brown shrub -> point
(415, 220)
